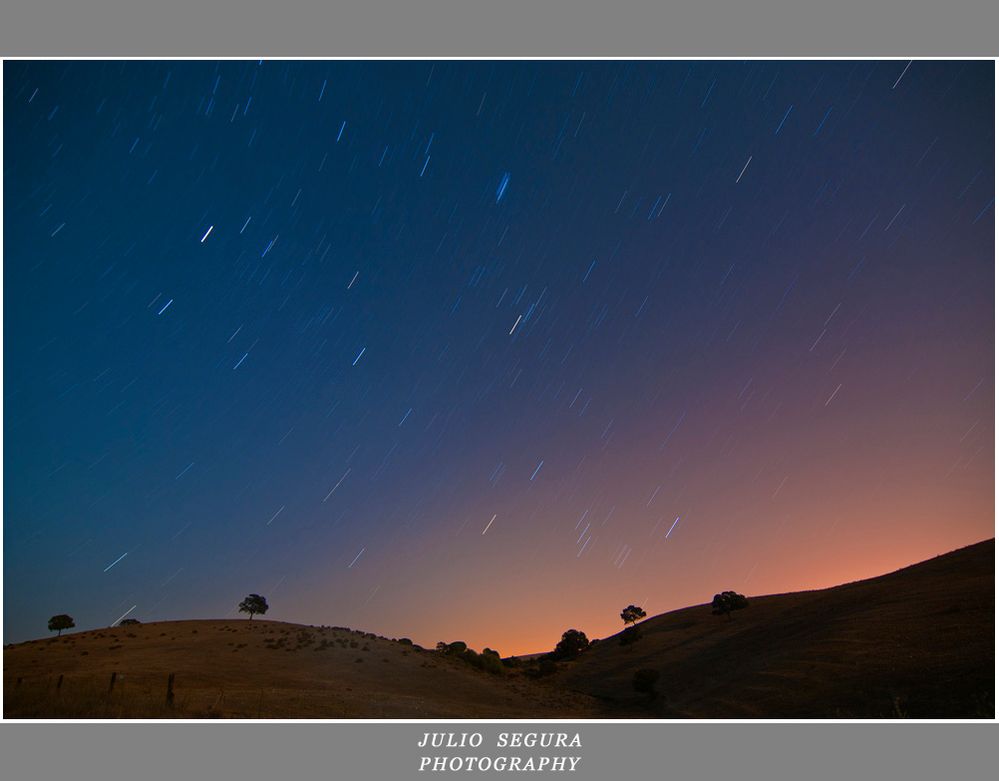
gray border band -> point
(518, 28)
(389, 752)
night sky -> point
(483, 351)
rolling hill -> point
(918, 642)
(260, 669)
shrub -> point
(488, 660)
(491, 663)
(572, 644)
(468, 655)
(727, 602)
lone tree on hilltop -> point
(645, 681)
(726, 602)
(631, 614)
(60, 622)
(253, 604)
(572, 644)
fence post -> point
(169, 694)
(114, 677)
(59, 683)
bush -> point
(491, 663)
(572, 644)
(468, 655)
(727, 602)
(488, 660)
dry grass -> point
(263, 669)
(916, 643)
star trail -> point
(486, 350)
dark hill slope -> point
(915, 643)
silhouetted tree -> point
(572, 644)
(726, 602)
(129, 622)
(253, 605)
(645, 681)
(60, 622)
(631, 614)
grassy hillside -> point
(260, 669)
(915, 643)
